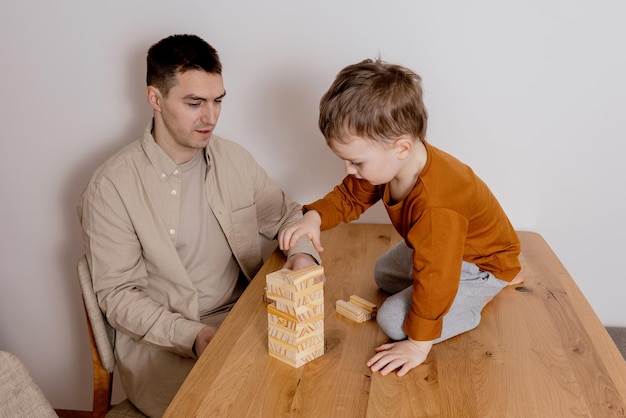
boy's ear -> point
(154, 97)
(403, 145)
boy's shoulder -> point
(440, 162)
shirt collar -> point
(162, 163)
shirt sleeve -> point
(438, 240)
(275, 210)
(120, 276)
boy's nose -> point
(349, 168)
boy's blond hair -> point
(375, 100)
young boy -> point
(459, 248)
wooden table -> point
(540, 351)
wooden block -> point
(306, 277)
(365, 304)
(352, 312)
(356, 308)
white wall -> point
(531, 94)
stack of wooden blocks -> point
(296, 315)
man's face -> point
(186, 118)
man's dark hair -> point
(177, 54)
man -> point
(171, 225)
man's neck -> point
(178, 153)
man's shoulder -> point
(222, 144)
(220, 147)
(121, 162)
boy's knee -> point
(459, 323)
(390, 318)
(392, 270)
(388, 278)
(379, 269)
(381, 276)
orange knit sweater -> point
(450, 215)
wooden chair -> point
(102, 338)
(20, 395)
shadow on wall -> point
(77, 177)
(284, 112)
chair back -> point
(20, 396)
(103, 333)
(102, 338)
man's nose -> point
(210, 115)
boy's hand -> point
(406, 354)
(308, 226)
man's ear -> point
(154, 97)
(403, 146)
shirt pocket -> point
(245, 237)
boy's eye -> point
(355, 164)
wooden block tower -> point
(295, 315)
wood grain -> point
(540, 351)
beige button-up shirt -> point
(129, 212)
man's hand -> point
(299, 261)
(202, 339)
(308, 226)
(406, 354)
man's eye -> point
(194, 104)
(218, 100)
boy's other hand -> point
(406, 355)
(308, 226)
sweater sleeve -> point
(438, 240)
(346, 202)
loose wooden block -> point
(295, 315)
(365, 304)
(356, 309)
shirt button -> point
(163, 175)
(173, 192)
(176, 172)
(172, 231)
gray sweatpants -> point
(393, 275)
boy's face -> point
(368, 159)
